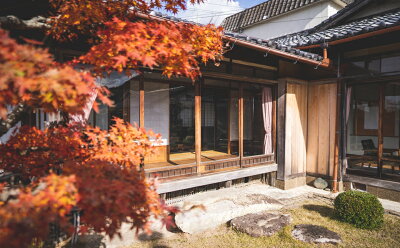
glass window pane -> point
(362, 126)
(254, 132)
(391, 129)
(391, 64)
(117, 109)
(181, 118)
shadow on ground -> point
(324, 211)
(155, 237)
(87, 241)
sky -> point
(214, 11)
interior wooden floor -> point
(189, 158)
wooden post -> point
(141, 102)
(281, 129)
(126, 99)
(337, 140)
(380, 127)
(141, 112)
(241, 120)
(197, 125)
(229, 122)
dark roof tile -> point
(264, 11)
(365, 25)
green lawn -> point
(310, 213)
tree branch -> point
(13, 118)
(14, 23)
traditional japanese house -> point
(218, 129)
(324, 102)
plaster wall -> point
(294, 21)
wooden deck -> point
(212, 162)
(189, 158)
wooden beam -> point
(238, 78)
(141, 102)
(380, 127)
(229, 122)
(372, 50)
(197, 124)
(241, 122)
(241, 62)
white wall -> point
(298, 20)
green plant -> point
(361, 209)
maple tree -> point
(72, 165)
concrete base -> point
(384, 193)
(291, 183)
(381, 188)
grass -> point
(310, 213)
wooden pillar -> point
(241, 122)
(380, 127)
(141, 112)
(229, 121)
(141, 102)
(197, 124)
(337, 139)
(281, 130)
(126, 99)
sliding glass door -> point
(373, 126)
(391, 129)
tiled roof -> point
(264, 11)
(268, 45)
(273, 45)
(365, 25)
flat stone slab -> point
(262, 224)
(218, 211)
(315, 234)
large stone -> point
(320, 183)
(262, 224)
(221, 209)
(315, 234)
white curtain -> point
(267, 117)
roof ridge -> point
(362, 25)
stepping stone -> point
(262, 224)
(315, 234)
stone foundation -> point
(291, 183)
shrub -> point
(361, 209)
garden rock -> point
(320, 183)
(217, 208)
(315, 234)
(262, 224)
